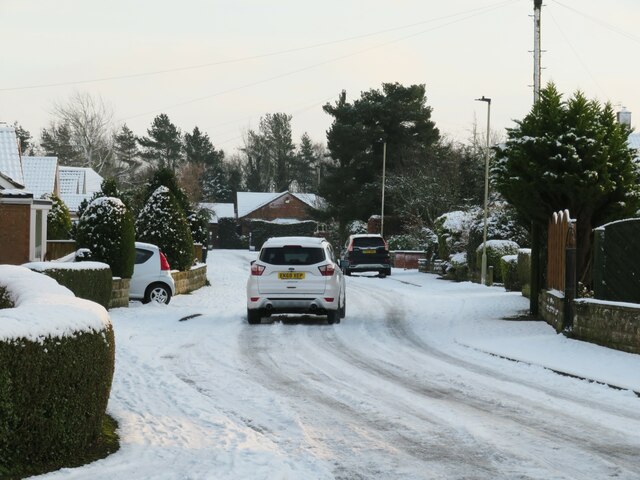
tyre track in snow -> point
(510, 411)
(388, 440)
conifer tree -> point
(163, 145)
(58, 220)
(106, 228)
(569, 154)
(163, 223)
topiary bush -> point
(57, 356)
(58, 220)
(452, 230)
(496, 249)
(163, 223)
(106, 228)
(89, 280)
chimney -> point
(624, 117)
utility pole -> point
(537, 52)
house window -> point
(38, 235)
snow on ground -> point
(405, 387)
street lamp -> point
(483, 274)
(384, 168)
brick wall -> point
(286, 206)
(614, 325)
(15, 226)
(120, 293)
(551, 306)
(190, 280)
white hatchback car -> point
(296, 275)
(151, 280)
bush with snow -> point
(57, 356)
(58, 220)
(496, 249)
(162, 222)
(452, 229)
(356, 227)
(509, 272)
(106, 228)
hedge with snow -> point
(56, 368)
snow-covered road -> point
(402, 389)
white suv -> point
(296, 275)
(151, 280)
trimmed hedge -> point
(228, 236)
(5, 301)
(53, 397)
(92, 284)
(262, 230)
(509, 272)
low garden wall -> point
(190, 280)
(120, 293)
(406, 258)
(612, 324)
(551, 307)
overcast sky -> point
(231, 62)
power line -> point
(601, 22)
(252, 57)
(476, 13)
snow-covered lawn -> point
(403, 388)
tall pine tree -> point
(163, 146)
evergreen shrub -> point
(163, 223)
(524, 270)
(54, 390)
(58, 220)
(228, 236)
(261, 230)
(496, 249)
(509, 272)
(53, 398)
(106, 228)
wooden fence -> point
(561, 234)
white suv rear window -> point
(292, 255)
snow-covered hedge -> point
(56, 367)
(509, 272)
(89, 280)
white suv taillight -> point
(327, 270)
(257, 270)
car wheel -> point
(157, 292)
(333, 316)
(253, 317)
(343, 309)
(388, 271)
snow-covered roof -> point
(10, 164)
(79, 180)
(40, 174)
(219, 210)
(73, 200)
(251, 201)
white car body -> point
(150, 282)
(296, 275)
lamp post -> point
(483, 274)
(384, 168)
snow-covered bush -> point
(356, 227)
(162, 222)
(58, 220)
(199, 225)
(106, 228)
(509, 272)
(496, 249)
(458, 268)
(422, 239)
(57, 356)
(452, 229)
(502, 224)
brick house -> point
(275, 207)
(23, 218)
